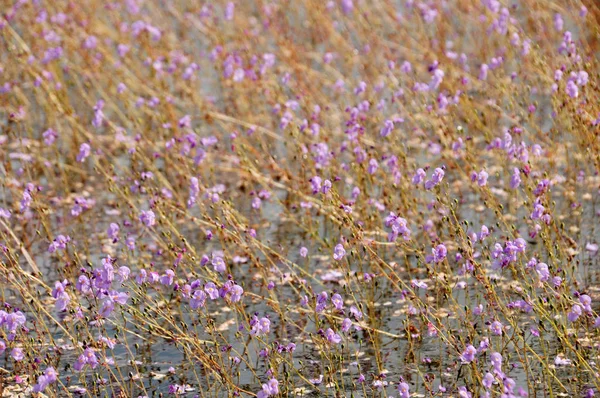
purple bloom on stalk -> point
(572, 89)
(212, 291)
(167, 278)
(49, 377)
(198, 299)
(49, 137)
(84, 152)
(303, 251)
(321, 302)
(339, 252)
(269, 389)
(515, 179)
(468, 354)
(488, 380)
(259, 326)
(419, 177)
(373, 166)
(480, 177)
(332, 336)
(436, 178)
(2, 346)
(12, 321)
(17, 354)
(399, 227)
(87, 358)
(337, 301)
(236, 293)
(463, 392)
(404, 390)
(346, 324)
(123, 274)
(542, 271)
(483, 72)
(130, 242)
(575, 313)
(148, 218)
(229, 10)
(59, 243)
(586, 302)
(113, 232)
(387, 128)
(496, 361)
(218, 264)
(98, 114)
(194, 191)
(439, 253)
(316, 183)
(590, 391)
(61, 296)
(496, 328)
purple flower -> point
(236, 293)
(373, 166)
(218, 264)
(403, 390)
(387, 128)
(339, 252)
(496, 328)
(468, 354)
(419, 177)
(482, 178)
(212, 291)
(269, 389)
(84, 152)
(542, 271)
(61, 296)
(488, 380)
(439, 253)
(399, 227)
(483, 72)
(436, 178)
(194, 191)
(332, 336)
(575, 313)
(572, 89)
(49, 377)
(303, 251)
(198, 299)
(515, 179)
(337, 301)
(17, 354)
(346, 324)
(87, 358)
(123, 273)
(321, 302)
(259, 326)
(167, 278)
(229, 10)
(49, 137)
(148, 218)
(98, 114)
(463, 392)
(59, 243)
(586, 302)
(316, 183)
(561, 361)
(496, 361)
(113, 232)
